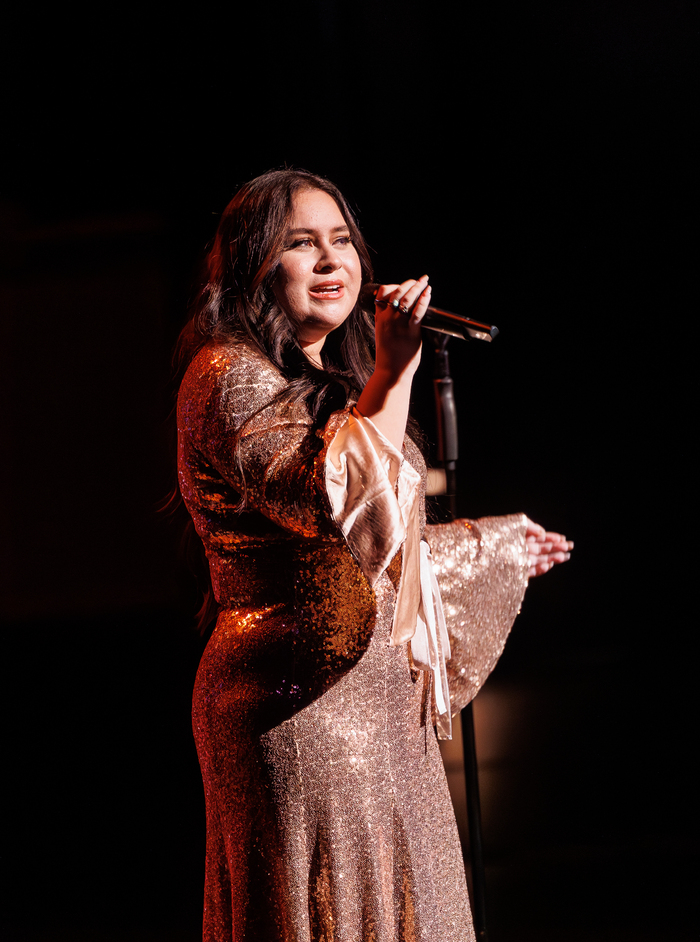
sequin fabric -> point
(328, 814)
(481, 567)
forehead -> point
(315, 209)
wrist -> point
(392, 378)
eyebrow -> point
(302, 230)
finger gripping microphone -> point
(442, 322)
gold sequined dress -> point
(328, 814)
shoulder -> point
(230, 368)
(220, 363)
(233, 377)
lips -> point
(328, 290)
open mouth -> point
(330, 289)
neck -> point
(313, 351)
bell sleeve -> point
(481, 568)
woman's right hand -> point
(399, 310)
(385, 398)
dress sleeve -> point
(265, 448)
(481, 568)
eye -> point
(297, 243)
(344, 240)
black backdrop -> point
(535, 161)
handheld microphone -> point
(443, 322)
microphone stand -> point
(447, 454)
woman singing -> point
(316, 701)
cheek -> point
(355, 266)
(295, 277)
(286, 285)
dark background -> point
(536, 161)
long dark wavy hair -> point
(236, 300)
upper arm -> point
(265, 447)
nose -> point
(328, 260)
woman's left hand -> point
(545, 549)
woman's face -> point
(319, 274)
